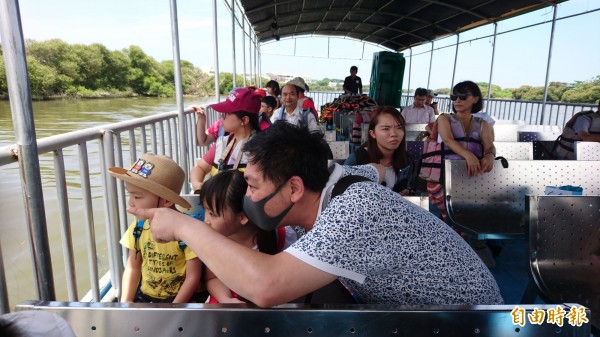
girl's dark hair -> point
(252, 117)
(469, 87)
(399, 157)
(275, 86)
(225, 191)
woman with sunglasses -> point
(470, 138)
(467, 136)
(387, 146)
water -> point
(52, 118)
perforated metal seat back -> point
(530, 136)
(414, 148)
(565, 249)
(587, 150)
(510, 132)
(514, 150)
(494, 202)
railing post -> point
(29, 165)
(233, 75)
(183, 149)
(548, 64)
(111, 212)
(489, 95)
(4, 309)
(216, 50)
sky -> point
(520, 57)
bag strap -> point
(342, 184)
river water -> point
(52, 118)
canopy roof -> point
(393, 24)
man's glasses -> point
(462, 97)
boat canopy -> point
(392, 24)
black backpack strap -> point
(342, 184)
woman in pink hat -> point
(239, 117)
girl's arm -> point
(193, 273)
(198, 173)
(473, 165)
(489, 150)
(218, 290)
(131, 276)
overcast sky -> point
(520, 56)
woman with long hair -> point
(386, 145)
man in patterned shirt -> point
(381, 247)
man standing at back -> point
(292, 112)
(419, 113)
(353, 83)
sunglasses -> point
(462, 97)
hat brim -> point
(161, 191)
(225, 107)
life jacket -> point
(224, 148)
(301, 103)
(303, 115)
(564, 146)
(137, 232)
(470, 141)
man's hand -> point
(163, 222)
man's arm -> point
(263, 279)
(360, 91)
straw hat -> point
(156, 174)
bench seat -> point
(564, 246)
(492, 205)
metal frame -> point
(139, 320)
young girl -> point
(222, 197)
(387, 146)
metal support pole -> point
(234, 74)
(29, 165)
(409, 71)
(183, 149)
(548, 64)
(455, 60)
(113, 232)
(244, 48)
(258, 84)
(216, 49)
(4, 308)
(430, 63)
(250, 53)
(489, 95)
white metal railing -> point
(98, 148)
(557, 113)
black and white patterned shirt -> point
(387, 250)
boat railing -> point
(531, 112)
(89, 189)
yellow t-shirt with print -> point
(163, 264)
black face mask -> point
(255, 211)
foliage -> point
(57, 68)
